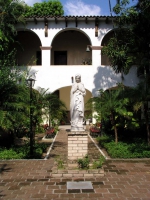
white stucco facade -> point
(70, 35)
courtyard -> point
(33, 179)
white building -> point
(54, 48)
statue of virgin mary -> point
(77, 104)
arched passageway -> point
(28, 48)
(69, 48)
(104, 58)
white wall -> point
(55, 77)
(93, 76)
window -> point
(60, 57)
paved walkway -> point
(31, 179)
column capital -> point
(45, 48)
(96, 47)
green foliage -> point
(15, 102)
(113, 104)
(10, 154)
(118, 51)
(111, 101)
(99, 163)
(60, 163)
(130, 46)
(137, 149)
(45, 106)
(37, 106)
(11, 12)
(83, 163)
(130, 43)
(56, 129)
(55, 109)
(103, 139)
(22, 152)
(46, 8)
(12, 96)
(13, 99)
(140, 102)
(121, 6)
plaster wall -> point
(55, 77)
(94, 77)
(53, 29)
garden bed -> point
(21, 148)
(95, 132)
(138, 148)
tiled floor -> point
(31, 179)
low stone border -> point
(45, 139)
(77, 173)
(53, 140)
(71, 170)
(98, 147)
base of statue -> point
(77, 128)
(77, 144)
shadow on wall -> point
(106, 78)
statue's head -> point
(78, 78)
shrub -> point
(125, 150)
(103, 140)
(99, 163)
(119, 150)
(83, 163)
(10, 154)
(60, 163)
(22, 152)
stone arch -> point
(28, 48)
(72, 29)
(69, 48)
(104, 42)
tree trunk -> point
(115, 128)
(147, 122)
(116, 134)
(148, 133)
(49, 120)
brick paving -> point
(31, 179)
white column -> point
(46, 56)
(96, 62)
(96, 55)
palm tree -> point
(13, 102)
(46, 106)
(54, 107)
(141, 96)
(111, 103)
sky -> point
(83, 7)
